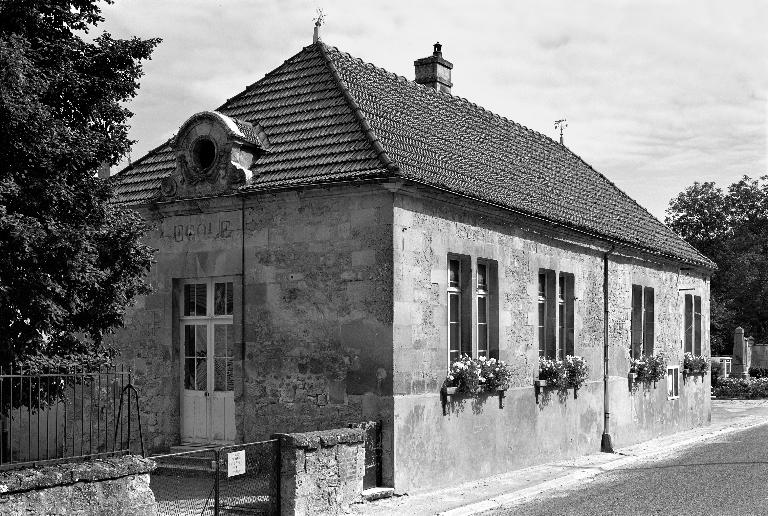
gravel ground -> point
(722, 476)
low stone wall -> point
(321, 472)
(110, 487)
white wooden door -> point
(207, 343)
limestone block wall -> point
(476, 437)
(321, 472)
(111, 487)
(318, 310)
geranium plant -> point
(497, 374)
(577, 371)
(475, 375)
(570, 372)
(553, 371)
(695, 363)
(649, 368)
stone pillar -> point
(321, 472)
(740, 364)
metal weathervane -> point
(561, 124)
(318, 22)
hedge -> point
(754, 388)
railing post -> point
(217, 454)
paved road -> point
(723, 476)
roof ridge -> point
(357, 113)
(430, 90)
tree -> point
(70, 261)
(731, 228)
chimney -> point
(104, 171)
(434, 71)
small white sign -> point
(236, 463)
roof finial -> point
(318, 22)
(561, 124)
(437, 49)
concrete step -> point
(378, 493)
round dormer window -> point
(204, 153)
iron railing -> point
(67, 414)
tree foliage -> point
(731, 228)
(71, 261)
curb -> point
(523, 495)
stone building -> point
(312, 233)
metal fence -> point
(237, 479)
(67, 415)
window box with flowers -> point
(475, 376)
(570, 372)
(647, 369)
(694, 365)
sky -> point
(657, 94)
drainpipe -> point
(242, 277)
(605, 444)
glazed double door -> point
(206, 330)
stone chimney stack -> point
(434, 71)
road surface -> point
(722, 476)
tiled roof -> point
(329, 116)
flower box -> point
(568, 373)
(475, 376)
(695, 364)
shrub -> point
(758, 372)
(649, 368)
(753, 388)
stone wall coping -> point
(41, 477)
(322, 438)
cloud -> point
(657, 94)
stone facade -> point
(477, 438)
(112, 487)
(344, 311)
(318, 308)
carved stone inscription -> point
(198, 228)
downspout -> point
(605, 444)
(242, 278)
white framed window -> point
(542, 305)
(207, 332)
(483, 310)
(643, 320)
(692, 324)
(556, 314)
(473, 307)
(455, 312)
(673, 382)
